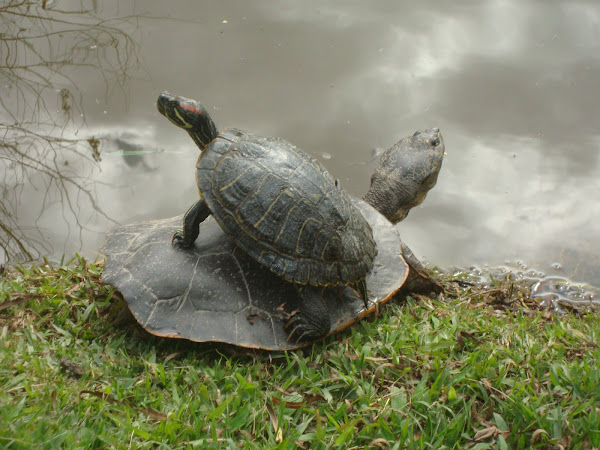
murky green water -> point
(512, 85)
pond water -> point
(512, 85)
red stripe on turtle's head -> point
(189, 115)
(194, 108)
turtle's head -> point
(405, 173)
(189, 115)
(428, 140)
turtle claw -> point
(291, 334)
(303, 330)
(299, 339)
(178, 240)
(191, 225)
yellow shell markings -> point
(316, 197)
(285, 192)
(224, 188)
(289, 276)
(323, 258)
(310, 261)
(310, 219)
(284, 221)
(272, 251)
(253, 193)
(255, 190)
(285, 266)
(225, 157)
(356, 256)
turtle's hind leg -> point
(312, 322)
(191, 225)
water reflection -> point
(134, 154)
(512, 85)
(48, 168)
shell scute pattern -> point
(295, 219)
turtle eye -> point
(435, 142)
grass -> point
(471, 369)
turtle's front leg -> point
(191, 225)
(312, 321)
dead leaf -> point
(383, 366)
(154, 415)
(218, 431)
(460, 341)
(351, 356)
(536, 434)
(21, 297)
(475, 414)
(291, 405)
(380, 442)
(376, 359)
(69, 292)
(297, 405)
(283, 391)
(349, 407)
(101, 395)
(275, 423)
(246, 433)
(170, 357)
(487, 385)
(314, 399)
(486, 433)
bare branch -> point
(41, 45)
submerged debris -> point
(557, 294)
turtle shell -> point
(216, 293)
(284, 209)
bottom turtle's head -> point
(405, 173)
(189, 115)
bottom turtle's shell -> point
(214, 292)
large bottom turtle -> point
(216, 293)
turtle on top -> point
(279, 205)
(284, 209)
